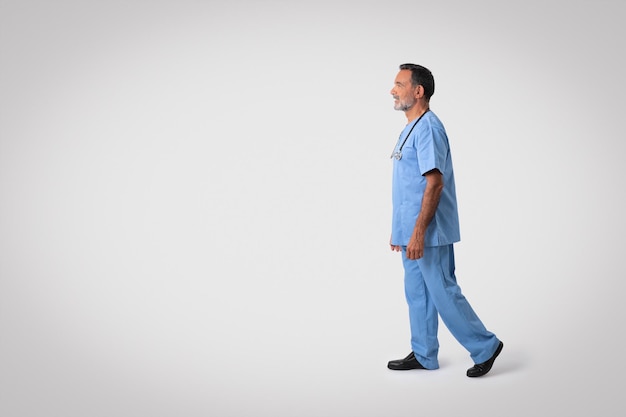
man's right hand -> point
(395, 248)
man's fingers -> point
(414, 253)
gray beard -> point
(403, 106)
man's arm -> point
(430, 201)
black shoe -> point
(481, 369)
(405, 364)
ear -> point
(419, 91)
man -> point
(425, 226)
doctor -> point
(425, 225)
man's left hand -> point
(415, 248)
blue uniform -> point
(425, 149)
(430, 283)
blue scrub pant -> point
(431, 290)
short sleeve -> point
(432, 148)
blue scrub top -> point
(426, 148)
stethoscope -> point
(398, 154)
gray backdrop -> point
(195, 206)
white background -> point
(195, 206)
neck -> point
(416, 111)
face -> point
(403, 92)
